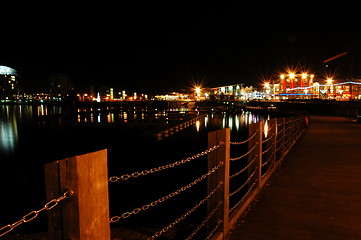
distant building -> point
(303, 86)
(236, 92)
(60, 86)
(9, 87)
(292, 85)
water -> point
(32, 135)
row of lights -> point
(293, 75)
(304, 76)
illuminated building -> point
(341, 90)
(9, 88)
(234, 92)
(302, 86)
(60, 86)
(294, 85)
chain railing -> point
(33, 214)
(189, 212)
(160, 200)
(268, 143)
(164, 167)
(232, 182)
(241, 179)
(186, 187)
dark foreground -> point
(317, 192)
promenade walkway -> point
(317, 192)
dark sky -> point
(167, 45)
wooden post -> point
(252, 129)
(274, 148)
(86, 214)
(283, 137)
(260, 149)
(253, 155)
(222, 154)
(275, 141)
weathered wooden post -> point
(253, 172)
(283, 137)
(86, 214)
(275, 121)
(253, 155)
(260, 149)
(274, 141)
(222, 154)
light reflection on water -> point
(33, 135)
(9, 129)
(237, 122)
(12, 117)
(8, 135)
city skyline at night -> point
(168, 46)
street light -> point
(329, 82)
(197, 90)
(267, 88)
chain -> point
(238, 143)
(205, 221)
(157, 169)
(250, 138)
(268, 159)
(249, 151)
(245, 168)
(178, 220)
(244, 184)
(269, 138)
(244, 197)
(33, 214)
(265, 151)
(214, 230)
(160, 200)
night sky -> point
(168, 45)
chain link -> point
(160, 200)
(204, 222)
(244, 197)
(250, 138)
(178, 220)
(248, 152)
(245, 168)
(157, 169)
(270, 147)
(269, 138)
(245, 183)
(33, 214)
(210, 235)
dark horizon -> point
(169, 46)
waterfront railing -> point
(77, 187)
